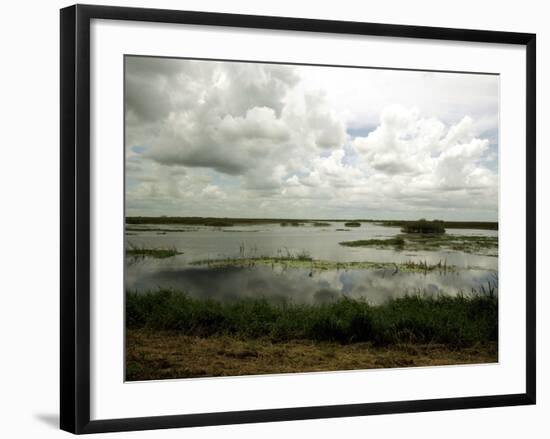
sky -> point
(255, 140)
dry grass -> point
(162, 355)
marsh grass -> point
(303, 260)
(156, 229)
(398, 241)
(144, 252)
(303, 255)
(352, 224)
(424, 227)
(432, 242)
(480, 225)
(455, 321)
(206, 221)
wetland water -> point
(195, 270)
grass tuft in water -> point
(487, 245)
(398, 241)
(303, 260)
(156, 229)
(424, 226)
(143, 252)
(481, 225)
(352, 224)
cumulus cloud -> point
(232, 117)
(426, 162)
(247, 139)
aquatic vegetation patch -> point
(484, 245)
(423, 226)
(144, 252)
(241, 231)
(398, 241)
(352, 224)
(306, 262)
(157, 229)
(481, 225)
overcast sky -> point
(227, 139)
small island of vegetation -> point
(144, 252)
(486, 245)
(424, 226)
(478, 225)
(353, 224)
(430, 236)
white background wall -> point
(29, 200)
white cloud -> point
(427, 162)
(237, 139)
(231, 117)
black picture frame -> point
(75, 217)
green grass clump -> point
(155, 229)
(423, 226)
(481, 225)
(455, 321)
(398, 241)
(143, 252)
(438, 226)
(303, 255)
(486, 245)
(303, 260)
(320, 224)
(352, 224)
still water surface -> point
(298, 285)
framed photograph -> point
(273, 218)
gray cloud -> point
(244, 139)
(231, 117)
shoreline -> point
(228, 222)
(456, 321)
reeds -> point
(397, 241)
(456, 321)
(143, 252)
(423, 226)
(487, 245)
